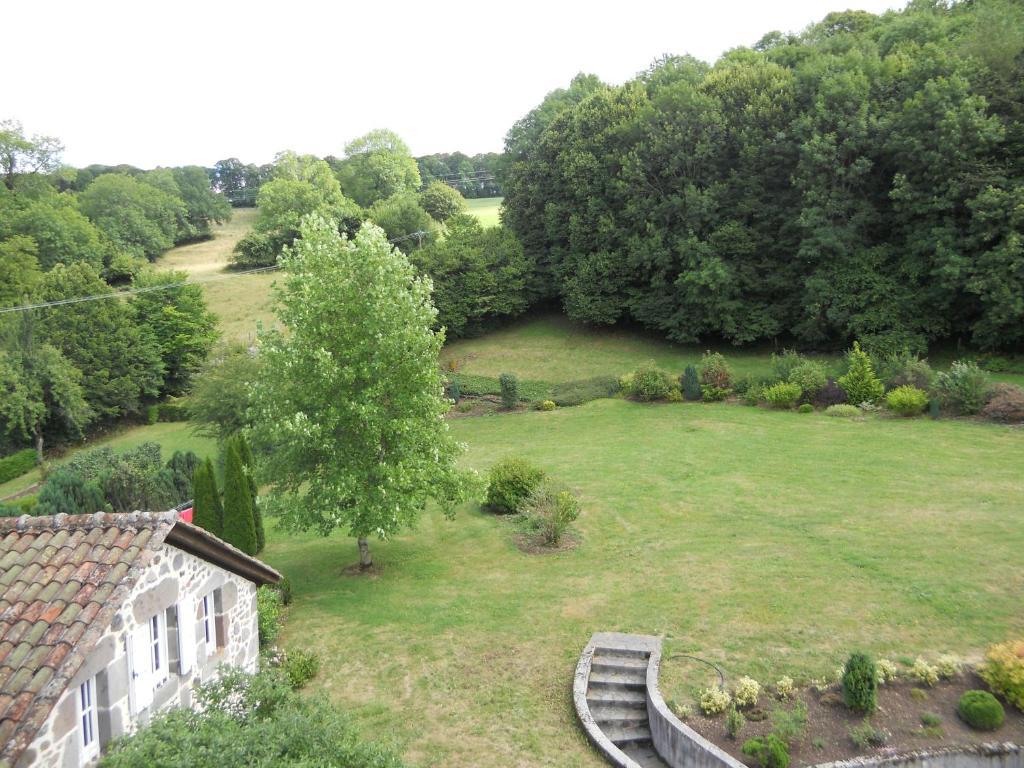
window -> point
(206, 616)
(87, 720)
(158, 648)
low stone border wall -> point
(994, 755)
(678, 744)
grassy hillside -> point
(486, 209)
(771, 543)
(238, 301)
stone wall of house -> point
(172, 578)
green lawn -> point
(770, 542)
(486, 209)
(173, 436)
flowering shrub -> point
(924, 672)
(784, 687)
(948, 666)
(714, 700)
(887, 671)
(963, 388)
(547, 405)
(746, 692)
(1003, 670)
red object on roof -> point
(186, 515)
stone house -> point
(108, 618)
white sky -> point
(173, 83)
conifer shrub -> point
(963, 389)
(860, 683)
(907, 400)
(769, 751)
(249, 463)
(860, 382)
(510, 482)
(981, 710)
(67, 493)
(1005, 404)
(509, 383)
(182, 466)
(239, 521)
(207, 512)
(690, 384)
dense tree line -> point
(67, 235)
(476, 176)
(862, 179)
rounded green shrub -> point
(782, 395)
(810, 376)
(860, 683)
(509, 383)
(510, 483)
(650, 383)
(963, 388)
(981, 710)
(769, 751)
(806, 408)
(907, 400)
(546, 405)
(715, 371)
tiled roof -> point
(62, 579)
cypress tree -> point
(207, 512)
(691, 384)
(239, 524)
(249, 461)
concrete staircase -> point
(616, 695)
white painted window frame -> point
(88, 722)
(209, 630)
(158, 658)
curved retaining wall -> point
(579, 694)
(995, 755)
(678, 744)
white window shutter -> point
(140, 667)
(186, 635)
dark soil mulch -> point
(479, 405)
(533, 543)
(899, 714)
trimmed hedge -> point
(172, 412)
(471, 384)
(17, 464)
(584, 390)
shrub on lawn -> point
(509, 390)
(510, 483)
(300, 667)
(582, 391)
(715, 371)
(769, 751)
(690, 384)
(810, 376)
(714, 700)
(1003, 670)
(907, 400)
(67, 493)
(710, 394)
(550, 510)
(746, 692)
(1005, 404)
(782, 395)
(830, 394)
(924, 672)
(754, 394)
(860, 382)
(963, 389)
(911, 372)
(980, 710)
(783, 365)
(650, 383)
(860, 683)
(805, 408)
(843, 411)
(17, 464)
(546, 405)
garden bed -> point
(901, 706)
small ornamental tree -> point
(349, 414)
(239, 525)
(207, 512)
(860, 683)
(860, 382)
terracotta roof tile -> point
(62, 579)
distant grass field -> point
(486, 209)
(771, 543)
(173, 436)
(239, 302)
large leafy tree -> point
(19, 270)
(142, 218)
(377, 165)
(21, 154)
(349, 410)
(61, 233)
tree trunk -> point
(365, 561)
(39, 446)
